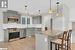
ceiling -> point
(35, 5)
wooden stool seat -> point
(58, 41)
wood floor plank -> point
(24, 44)
(73, 46)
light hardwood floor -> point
(73, 46)
(23, 44)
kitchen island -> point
(43, 39)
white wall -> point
(71, 5)
(46, 21)
(58, 23)
(72, 19)
(1, 34)
(1, 30)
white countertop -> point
(53, 33)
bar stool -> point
(69, 40)
(60, 43)
(64, 42)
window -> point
(23, 20)
(3, 3)
(28, 20)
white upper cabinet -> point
(26, 20)
(31, 20)
(23, 20)
(37, 20)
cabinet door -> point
(41, 42)
(28, 20)
(23, 20)
(22, 33)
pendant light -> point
(50, 10)
(40, 16)
(57, 6)
(51, 19)
(26, 12)
(39, 12)
(58, 13)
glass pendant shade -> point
(50, 11)
(59, 9)
(26, 10)
(59, 14)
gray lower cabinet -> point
(6, 35)
(32, 31)
(42, 42)
(22, 33)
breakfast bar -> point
(43, 39)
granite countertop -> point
(53, 33)
(13, 31)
